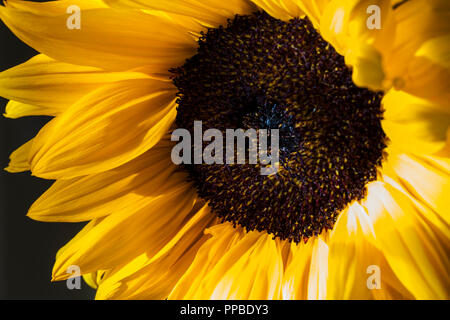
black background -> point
(27, 247)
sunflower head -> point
(262, 73)
(358, 92)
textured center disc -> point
(263, 73)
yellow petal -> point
(208, 255)
(409, 52)
(357, 269)
(93, 196)
(345, 24)
(154, 281)
(418, 60)
(427, 183)
(43, 86)
(19, 159)
(439, 161)
(314, 9)
(109, 39)
(318, 271)
(233, 265)
(413, 124)
(36, 7)
(93, 279)
(210, 14)
(438, 227)
(250, 273)
(105, 129)
(350, 254)
(409, 245)
(296, 276)
(144, 226)
(367, 66)
(153, 277)
(15, 109)
(280, 9)
(88, 227)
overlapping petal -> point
(345, 25)
(410, 246)
(146, 225)
(153, 277)
(211, 14)
(407, 51)
(306, 270)
(105, 129)
(280, 9)
(414, 125)
(19, 159)
(109, 39)
(429, 183)
(418, 59)
(350, 254)
(44, 86)
(94, 196)
(233, 265)
(357, 269)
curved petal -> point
(289, 9)
(318, 271)
(93, 196)
(153, 277)
(306, 270)
(408, 51)
(350, 255)
(93, 279)
(44, 86)
(211, 14)
(418, 259)
(357, 269)
(19, 160)
(94, 134)
(15, 109)
(428, 183)
(51, 9)
(233, 265)
(280, 9)
(314, 9)
(417, 62)
(130, 231)
(109, 39)
(345, 25)
(414, 125)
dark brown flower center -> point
(262, 73)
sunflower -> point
(359, 90)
